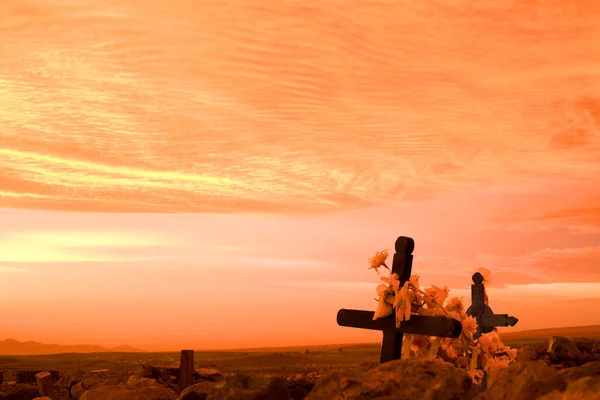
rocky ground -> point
(561, 369)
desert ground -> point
(348, 371)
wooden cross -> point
(391, 346)
(486, 319)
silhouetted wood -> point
(417, 324)
(186, 369)
(1, 377)
(391, 345)
(486, 319)
(44, 383)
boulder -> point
(591, 369)
(137, 381)
(524, 380)
(127, 392)
(198, 391)
(410, 378)
(587, 388)
(241, 386)
(80, 387)
(19, 392)
(207, 374)
(77, 390)
(61, 394)
(562, 350)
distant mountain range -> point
(11, 347)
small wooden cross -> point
(486, 319)
(391, 346)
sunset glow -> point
(216, 174)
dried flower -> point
(469, 327)
(455, 304)
(487, 275)
(392, 280)
(378, 260)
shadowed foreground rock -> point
(239, 386)
(402, 379)
(147, 390)
(524, 380)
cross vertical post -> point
(391, 345)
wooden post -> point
(44, 383)
(391, 345)
(186, 369)
(1, 377)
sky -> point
(215, 174)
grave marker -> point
(486, 319)
(391, 346)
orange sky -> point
(215, 174)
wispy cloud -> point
(98, 116)
(51, 246)
(4, 268)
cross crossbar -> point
(417, 324)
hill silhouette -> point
(12, 347)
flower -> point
(435, 294)
(487, 275)
(402, 303)
(414, 280)
(455, 304)
(489, 343)
(378, 260)
(392, 280)
(383, 309)
(382, 290)
(469, 327)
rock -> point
(367, 365)
(299, 393)
(61, 394)
(144, 373)
(562, 349)
(534, 353)
(587, 388)
(208, 374)
(524, 380)
(127, 392)
(19, 392)
(410, 378)
(591, 369)
(77, 390)
(141, 382)
(67, 379)
(300, 385)
(198, 391)
(241, 386)
(585, 345)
